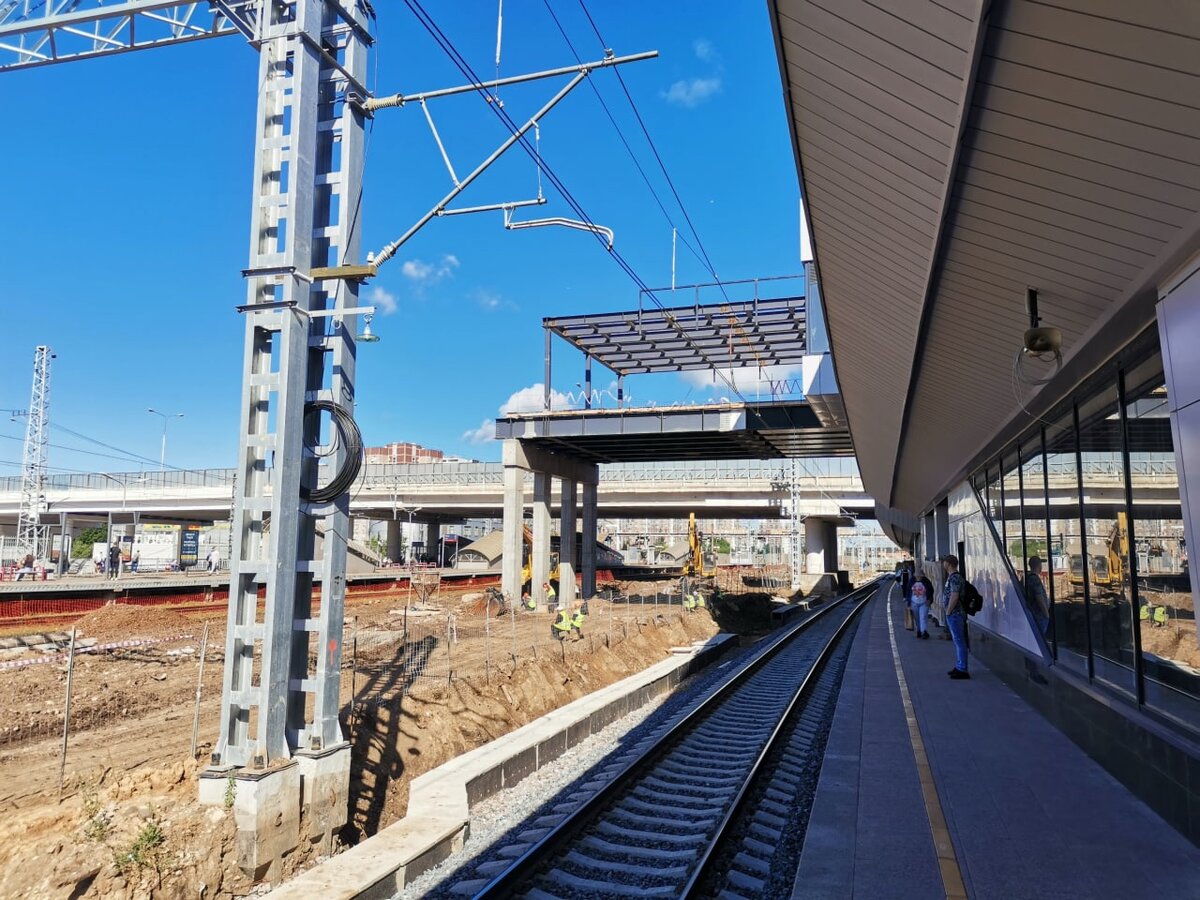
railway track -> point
(716, 806)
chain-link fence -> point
(123, 695)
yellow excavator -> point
(1105, 560)
(698, 563)
(527, 562)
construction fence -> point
(428, 639)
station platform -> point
(969, 792)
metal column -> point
(30, 531)
(307, 180)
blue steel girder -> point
(42, 32)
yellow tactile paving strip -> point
(952, 878)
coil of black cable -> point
(351, 438)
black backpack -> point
(971, 599)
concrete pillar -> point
(433, 534)
(324, 794)
(541, 537)
(395, 540)
(820, 539)
(941, 528)
(513, 528)
(566, 546)
(266, 812)
(588, 554)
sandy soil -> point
(127, 823)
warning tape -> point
(95, 648)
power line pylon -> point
(30, 531)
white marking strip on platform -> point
(56, 657)
(951, 871)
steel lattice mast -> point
(33, 460)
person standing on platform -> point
(114, 560)
(921, 591)
(956, 615)
(1035, 595)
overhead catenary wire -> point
(134, 457)
(621, 136)
(658, 158)
(68, 449)
(703, 256)
(464, 67)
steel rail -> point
(526, 867)
(710, 856)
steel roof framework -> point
(743, 334)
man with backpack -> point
(956, 614)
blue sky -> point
(127, 212)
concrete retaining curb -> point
(441, 800)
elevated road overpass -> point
(449, 492)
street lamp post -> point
(124, 497)
(162, 454)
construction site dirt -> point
(429, 680)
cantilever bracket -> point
(607, 233)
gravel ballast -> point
(504, 824)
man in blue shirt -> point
(956, 616)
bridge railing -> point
(834, 473)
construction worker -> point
(551, 594)
(689, 602)
(577, 620)
(528, 602)
(1144, 613)
(1160, 616)
(562, 624)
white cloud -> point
(426, 273)
(691, 92)
(748, 380)
(481, 435)
(704, 50)
(382, 298)
(532, 399)
(527, 399)
(490, 301)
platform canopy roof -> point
(955, 154)
(774, 430)
(742, 334)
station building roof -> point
(952, 155)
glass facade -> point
(1087, 506)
